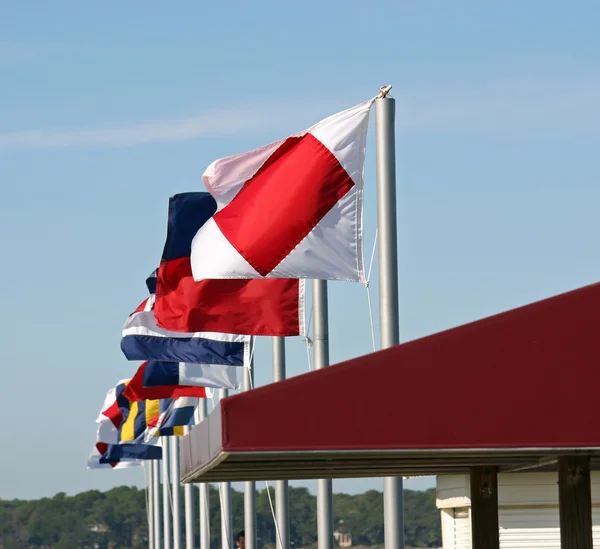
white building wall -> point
(527, 510)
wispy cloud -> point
(534, 107)
(258, 118)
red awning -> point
(509, 390)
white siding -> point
(462, 528)
(522, 528)
(513, 489)
(528, 510)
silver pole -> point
(188, 492)
(385, 107)
(281, 486)
(175, 483)
(249, 486)
(321, 353)
(166, 486)
(204, 496)
(150, 496)
(225, 497)
(156, 502)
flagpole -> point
(321, 353)
(385, 107)
(204, 495)
(225, 498)
(148, 468)
(175, 482)
(188, 492)
(156, 502)
(166, 486)
(281, 486)
(249, 486)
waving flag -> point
(144, 340)
(253, 307)
(135, 390)
(157, 374)
(100, 451)
(137, 417)
(117, 452)
(111, 415)
(151, 282)
(174, 413)
(291, 209)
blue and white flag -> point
(160, 373)
(117, 452)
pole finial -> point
(384, 90)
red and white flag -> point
(291, 209)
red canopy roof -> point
(508, 389)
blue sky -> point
(106, 110)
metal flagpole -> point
(249, 486)
(321, 353)
(188, 492)
(148, 468)
(175, 483)
(166, 486)
(225, 498)
(281, 486)
(156, 502)
(385, 107)
(204, 496)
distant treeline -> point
(117, 519)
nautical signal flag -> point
(111, 414)
(174, 413)
(99, 452)
(137, 417)
(252, 307)
(291, 209)
(117, 452)
(144, 340)
(136, 392)
(157, 374)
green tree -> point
(117, 519)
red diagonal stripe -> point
(275, 209)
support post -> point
(385, 113)
(204, 495)
(225, 499)
(281, 486)
(321, 354)
(485, 532)
(188, 493)
(166, 487)
(249, 486)
(150, 495)
(156, 502)
(575, 502)
(176, 484)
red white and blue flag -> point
(252, 307)
(144, 340)
(291, 209)
(97, 459)
(111, 415)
